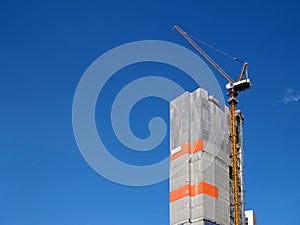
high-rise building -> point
(200, 167)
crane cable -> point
(216, 49)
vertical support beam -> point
(234, 156)
(240, 148)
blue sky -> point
(45, 47)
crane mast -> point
(233, 87)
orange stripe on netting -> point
(190, 148)
(205, 188)
(179, 193)
(193, 190)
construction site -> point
(207, 155)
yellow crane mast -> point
(233, 87)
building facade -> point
(200, 164)
(250, 217)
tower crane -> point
(233, 87)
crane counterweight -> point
(239, 86)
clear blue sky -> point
(45, 47)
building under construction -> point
(201, 167)
(207, 163)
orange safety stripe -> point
(193, 190)
(190, 148)
(179, 193)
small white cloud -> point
(290, 96)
